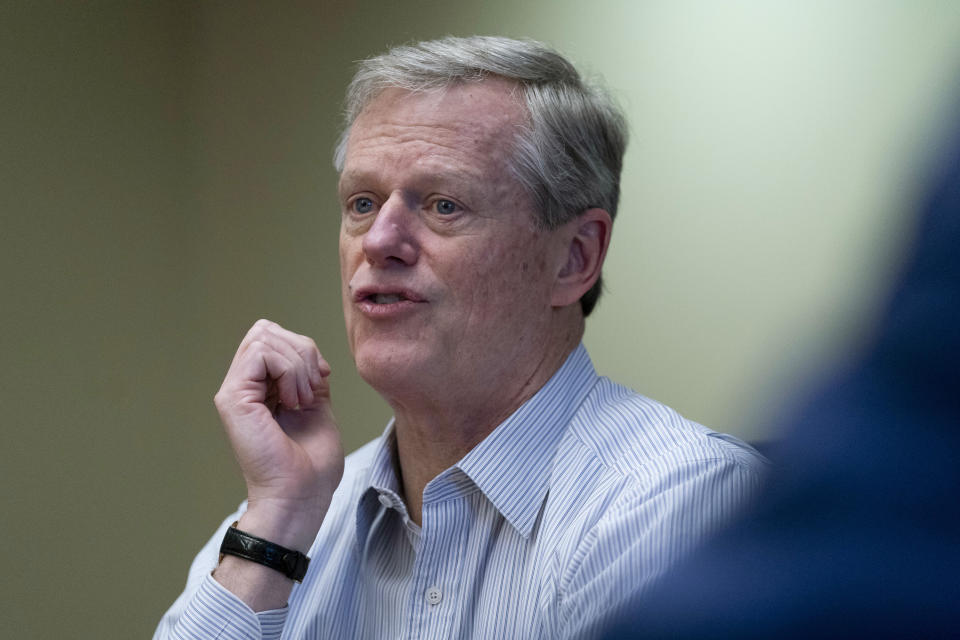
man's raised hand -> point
(275, 406)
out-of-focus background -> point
(165, 180)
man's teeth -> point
(386, 298)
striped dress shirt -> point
(571, 507)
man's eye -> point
(446, 207)
(363, 205)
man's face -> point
(446, 279)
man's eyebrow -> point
(466, 182)
(349, 176)
(351, 180)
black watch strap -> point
(290, 563)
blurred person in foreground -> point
(858, 534)
(515, 493)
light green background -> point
(166, 180)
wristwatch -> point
(290, 563)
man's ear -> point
(587, 238)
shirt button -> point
(434, 596)
(385, 500)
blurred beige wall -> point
(166, 180)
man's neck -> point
(431, 441)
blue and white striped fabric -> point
(571, 507)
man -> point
(515, 494)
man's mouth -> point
(386, 298)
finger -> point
(317, 367)
(257, 331)
(275, 337)
(252, 335)
(300, 350)
(307, 348)
(283, 374)
(271, 370)
(306, 377)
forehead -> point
(469, 125)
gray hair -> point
(568, 156)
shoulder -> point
(632, 470)
(634, 487)
(639, 439)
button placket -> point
(435, 595)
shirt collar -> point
(524, 445)
(382, 479)
(512, 465)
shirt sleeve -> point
(207, 609)
(649, 528)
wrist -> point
(290, 527)
(261, 587)
(289, 562)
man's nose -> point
(390, 238)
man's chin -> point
(388, 367)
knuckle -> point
(260, 327)
(257, 345)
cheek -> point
(348, 265)
(350, 257)
(522, 265)
(343, 246)
(506, 281)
